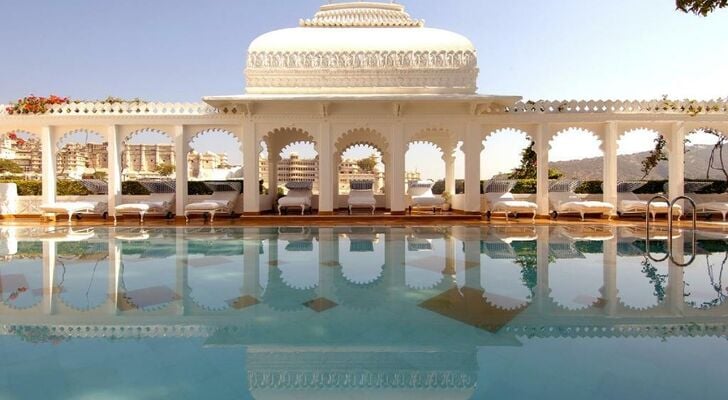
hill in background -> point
(629, 166)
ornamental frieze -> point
(364, 60)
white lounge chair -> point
(361, 195)
(222, 202)
(421, 196)
(501, 200)
(156, 204)
(76, 208)
(628, 202)
(299, 195)
(564, 201)
(717, 207)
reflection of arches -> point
(81, 274)
(214, 282)
(576, 282)
(22, 283)
(427, 153)
(641, 284)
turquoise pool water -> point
(361, 313)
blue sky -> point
(181, 50)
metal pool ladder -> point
(669, 230)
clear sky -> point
(181, 50)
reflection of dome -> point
(362, 47)
(357, 374)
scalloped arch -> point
(67, 134)
(136, 132)
(638, 128)
(362, 136)
(280, 138)
(214, 131)
(507, 129)
(581, 130)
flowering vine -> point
(35, 104)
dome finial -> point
(362, 14)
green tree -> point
(528, 167)
(100, 175)
(367, 164)
(165, 169)
(10, 167)
(700, 7)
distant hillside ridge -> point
(629, 166)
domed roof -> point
(362, 47)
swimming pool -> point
(403, 312)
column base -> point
(398, 212)
(251, 214)
(325, 213)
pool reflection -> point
(396, 309)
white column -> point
(543, 255)
(181, 148)
(609, 291)
(251, 263)
(676, 160)
(472, 259)
(114, 273)
(328, 243)
(182, 306)
(49, 269)
(251, 174)
(48, 167)
(609, 179)
(395, 169)
(449, 172)
(114, 158)
(542, 172)
(472, 147)
(326, 170)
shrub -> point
(133, 188)
(589, 187)
(71, 188)
(25, 187)
(524, 186)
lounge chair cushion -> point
(70, 207)
(361, 198)
(717, 206)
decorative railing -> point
(130, 108)
(691, 107)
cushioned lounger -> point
(299, 195)
(361, 195)
(72, 208)
(422, 196)
(713, 207)
(501, 200)
(218, 203)
(564, 201)
(158, 204)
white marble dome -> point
(361, 48)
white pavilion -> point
(366, 73)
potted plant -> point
(447, 197)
